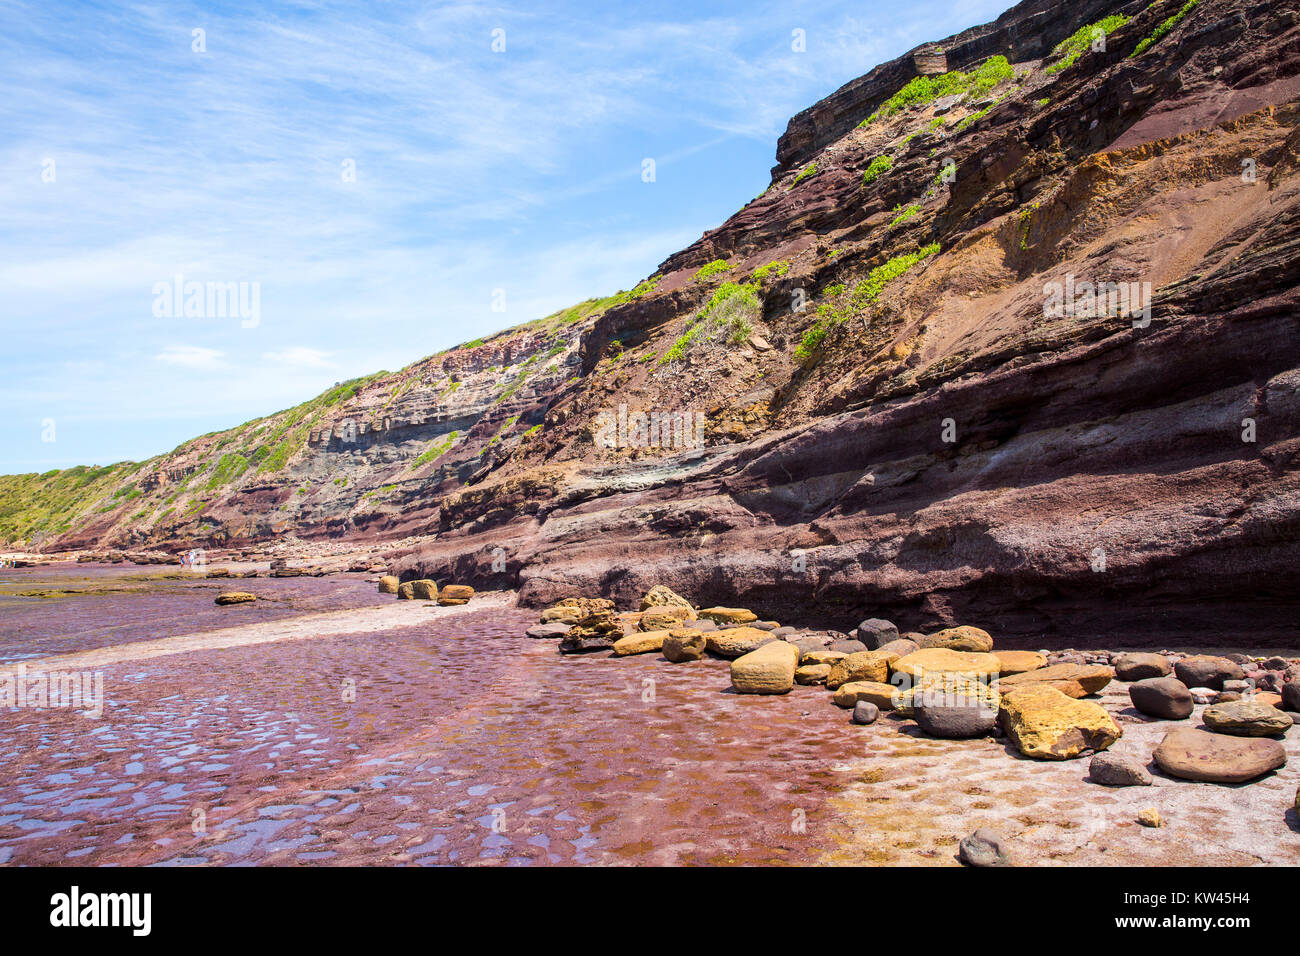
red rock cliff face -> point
(900, 415)
(948, 452)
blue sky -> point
(126, 158)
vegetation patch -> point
(806, 172)
(923, 90)
(1160, 32)
(877, 167)
(777, 267)
(1079, 42)
(712, 269)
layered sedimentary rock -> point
(901, 418)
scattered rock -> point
(728, 615)
(964, 638)
(768, 670)
(1091, 677)
(1207, 671)
(820, 656)
(235, 597)
(389, 584)
(1135, 667)
(1019, 662)
(1199, 755)
(644, 642)
(426, 590)
(847, 647)
(406, 591)
(660, 596)
(1045, 724)
(597, 631)
(943, 660)
(864, 665)
(572, 610)
(544, 632)
(958, 718)
(664, 618)
(685, 644)
(1203, 695)
(1165, 697)
(896, 649)
(1291, 696)
(1265, 697)
(1150, 817)
(875, 632)
(1246, 718)
(812, 674)
(736, 641)
(983, 848)
(865, 712)
(1225, 697)
(451, 594)
(1070, 688)
(1116, 770)
(875, 693)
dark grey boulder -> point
(983, 848)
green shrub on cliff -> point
(712, 269)
(1079, 42)
(878, 166)
(922, 90)
(807, 171)
(1160, 32)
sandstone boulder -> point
(451, 595)
(896, 649)
(1045, 724)
(426, 590)
(812, 674)
(1291, 695)
(644, 642)
(940, 660)
(1246, 718)
(572, 610)
(1019, 662)
(965, 638)
(660, 596)
(735, 641)
(821, 656)
(389, 584)
(1091, 677)
(1115, 770)
(1207, 671)
(1135, 667)
(406, 591)
(1165, 697)
(684, 645)
(729, 615)
(664, 618)
(864, 665)
(597, 631)
(1215, 758)
(235, 597)
(768, 670)
(873, 692)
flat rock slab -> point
(1091, 677)
(1246, 718)
(235, 597)
(1214, 758)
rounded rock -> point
(865, 712)
(1215, 758)
(1165, 697)
(1116, 770)
(983, 848)
(1135, 667)
(1207, 671)
(1246, 718)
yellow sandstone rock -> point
(1045, 724)
(863, 665)
(389, 584)
(768, 670)
(940, 660)
(874, 692)
(426, 590)
(684, 644)
(642, 643)
(810, 674)
(1091, 677)
(664, 597)
(452, 594)
(1018, 662)
(664, 618)
(964, 638)
(729, 615)
(822, 657)
(734, 641)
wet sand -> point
(404, 733)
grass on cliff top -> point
(1081, 40)
(1160, 32)
(922, 90)
(865, 293)
(49, 504)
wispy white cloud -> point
(191, 356)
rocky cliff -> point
(1012, 337)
